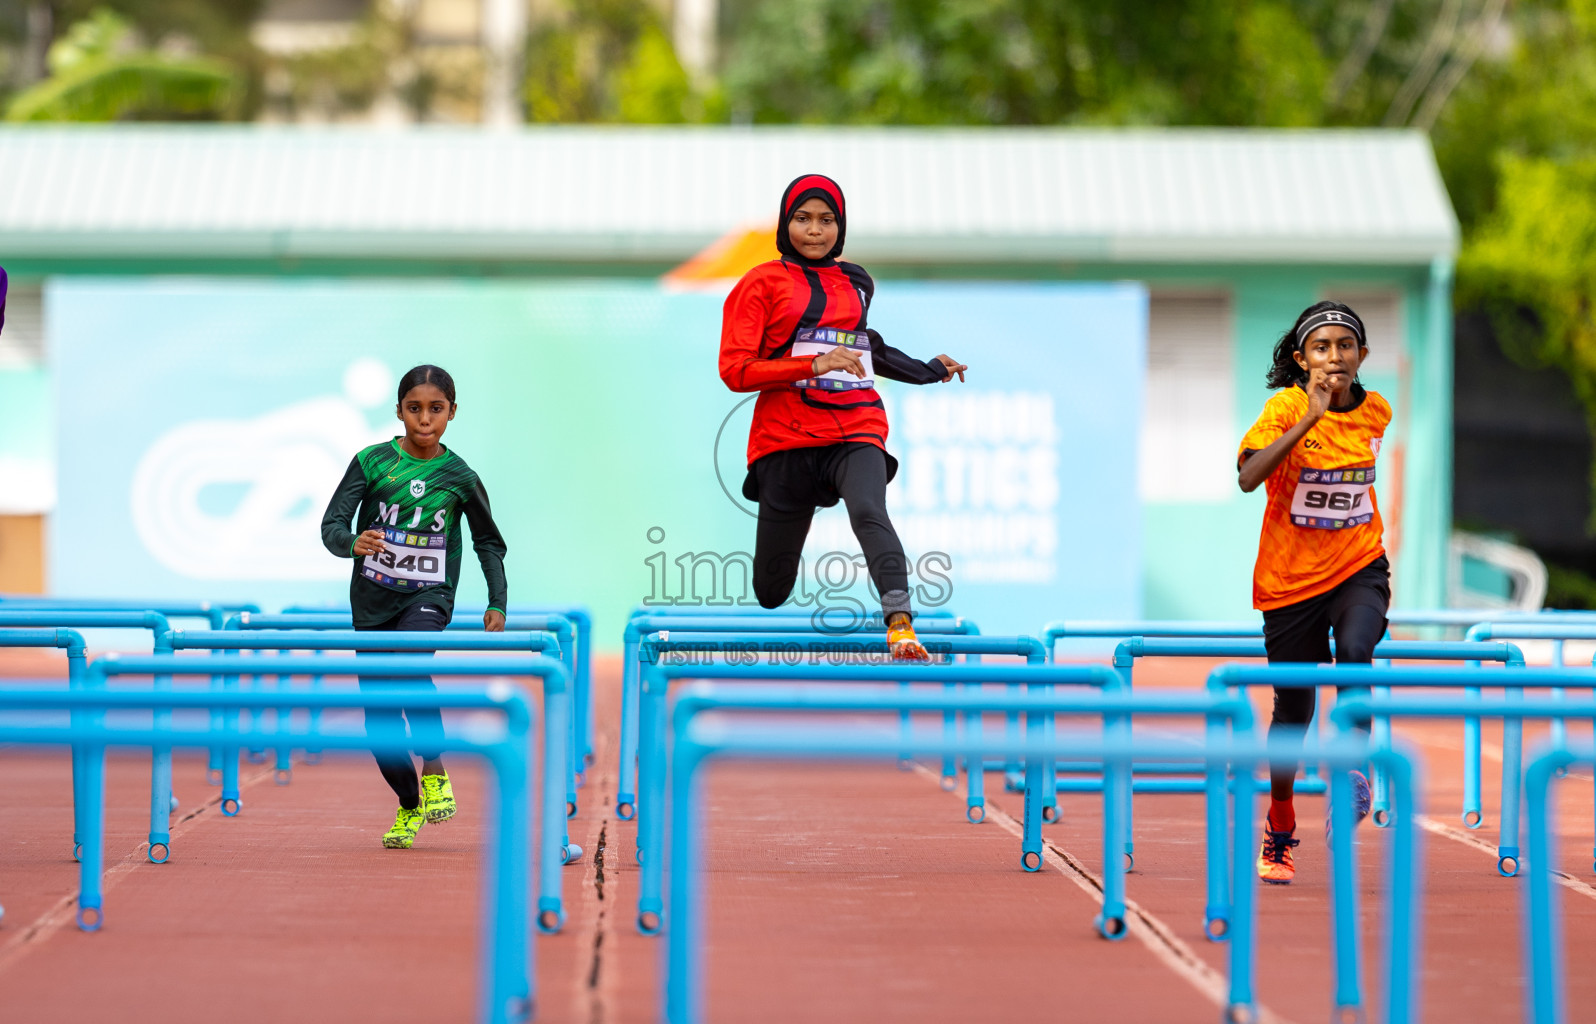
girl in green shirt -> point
(407, 496)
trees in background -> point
(100, 72)
(1507, 91)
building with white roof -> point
(1233, 232)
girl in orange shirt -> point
(1321, 561)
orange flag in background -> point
(727, 258)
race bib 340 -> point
(408, 561)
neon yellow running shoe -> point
(405, 826)
(437, 798)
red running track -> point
(837, 892)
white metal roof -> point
(605, 193)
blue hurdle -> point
(213, 613)
(1560, 629)
(697, 741)
(640, 626)
(1037, 679)
(658, 679)
(236, 640)
(507, 988)
(1128, 651)
(582, 682)
(1512, 683)
(1542, 933)
(797, 645)
(162, 803)
(562, 628)
(1543, 924)
(556, 689)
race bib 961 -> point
(1333, 499)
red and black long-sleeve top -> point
(762, 318)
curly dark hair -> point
(1284, 371)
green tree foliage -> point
(1519, 148)
(98, 74)
(1037, 62)
(608, 61)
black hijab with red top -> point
(802, 189)
(762, 318)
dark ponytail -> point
(426, 373)
(1284, 371)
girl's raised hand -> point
(839, 358)
(369, 543)
(493, 620)
(1319, 392)
(953, 366)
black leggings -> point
(1356, 610)
(388, 724)
(792, 484)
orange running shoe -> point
(1275, 865)
(904, 646)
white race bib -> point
(1333, 499)
(817, 341)
(408, 561)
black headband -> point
(1330, 316)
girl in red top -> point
(794, 330)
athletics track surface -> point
(837, 893)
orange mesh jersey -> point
(1322, 523)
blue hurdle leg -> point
(1559, 726)
(626, 784)
(1111, 918)
(1379, 785)
(950, 734)
(651, 811)
(1402, 975)
(1216, 912)
(905, 726)
(1049, 791)
(1031, 831)
(160, 847)
(584, 660)
(974, 767)
(80, 800)
(1543, 926)
(91, 865)
(1344, 900)
(1512, 785)
(1011, 731)
(253, 718)
(1472, 815)
(553, 855)
(573, 762)
(313, 725)
(1243, 926)
(511, 988)
(283, 719)
(231, 804)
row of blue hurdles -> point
(673, 740)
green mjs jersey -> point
(417, 505)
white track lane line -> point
(1441, 828)
(1141, 925)
(64, 912)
